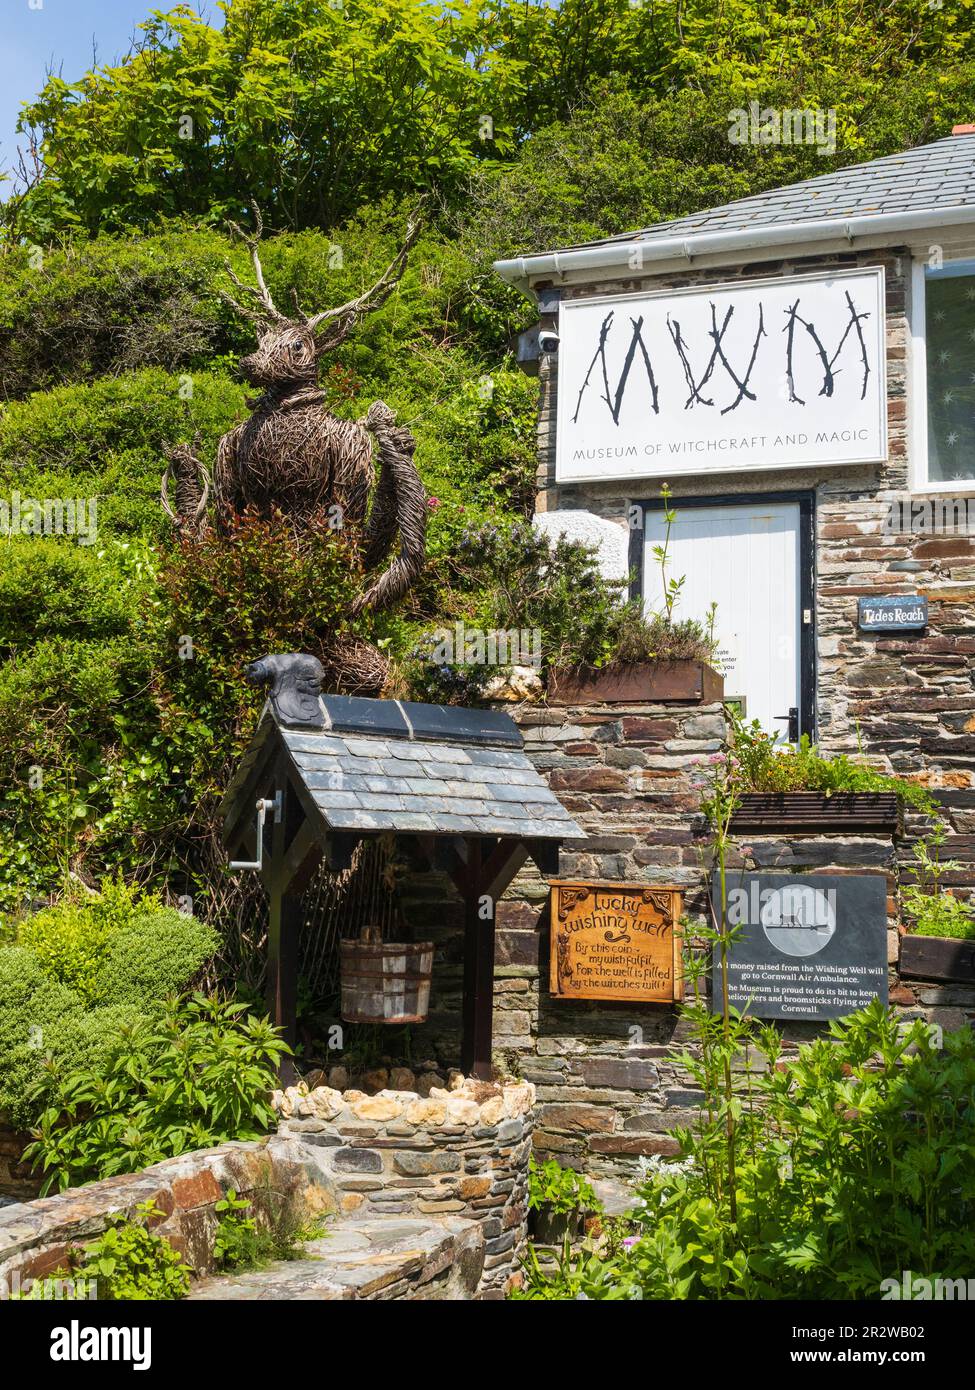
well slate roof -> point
(389, 765)
(938, 177)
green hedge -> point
(76, 973)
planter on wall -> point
(816, 813)
(645, 682)
(937, 958)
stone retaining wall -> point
(16, 1179)
(609, 1083)
(452, 1153)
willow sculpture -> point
(294, 457)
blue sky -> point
(38, 34)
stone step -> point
(371, 1259)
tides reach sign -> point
(782, 373)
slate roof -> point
(378, 765)
(937, 177)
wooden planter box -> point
(649, 682)
(815, 813)
(937, 958)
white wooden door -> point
(744, 558)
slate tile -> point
(367, 748)
(453, 822)
(376, 801)
(396, 785)
(503, 792)
(360, 766)
(507, 809)
(332, 799)
(410, 820)
(404, 768)
(335, 781)
(354, 714)
(312, 743)
(443, 753)
(343, 819)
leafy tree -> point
(312, 107)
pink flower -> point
(433, 503)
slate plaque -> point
(897, 613)
(807, 947)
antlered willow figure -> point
(293, 456)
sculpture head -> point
(286, 355)
(288, 349)
(295, 679)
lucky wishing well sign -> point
(809, 947)
(615, 941)
(776, 373)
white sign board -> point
(782, 373)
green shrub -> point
(70, 942)
(196, 1073)
(559, 1189)
(157, 955)
(267, 1226)
(852, 1163)
(931, 909)
(764, 764)
(92, 943)
(31, 1006)
(81, 971)
(129, 1261)
(110, 306)
(45, 1028)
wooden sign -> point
(615, 941)
(901, 613)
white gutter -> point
(637, 254)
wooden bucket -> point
(385, 981)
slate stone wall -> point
(907, 700)
(609, 1085)
(452, 1153)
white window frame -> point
(918, 382)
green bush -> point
(31, 1006)
(195, 1074)
(110, 306)
(80, 971)
(157, 955)
(764, 764)
(933, 910)
(119, 946)
(852, 1163)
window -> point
(944, 440)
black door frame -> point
(806, 500)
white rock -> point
(427, 1113)
(324, 1103)
(377, 1108)
(610, 539)
(518, 1099)
(463, 1112)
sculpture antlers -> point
(340, 321)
